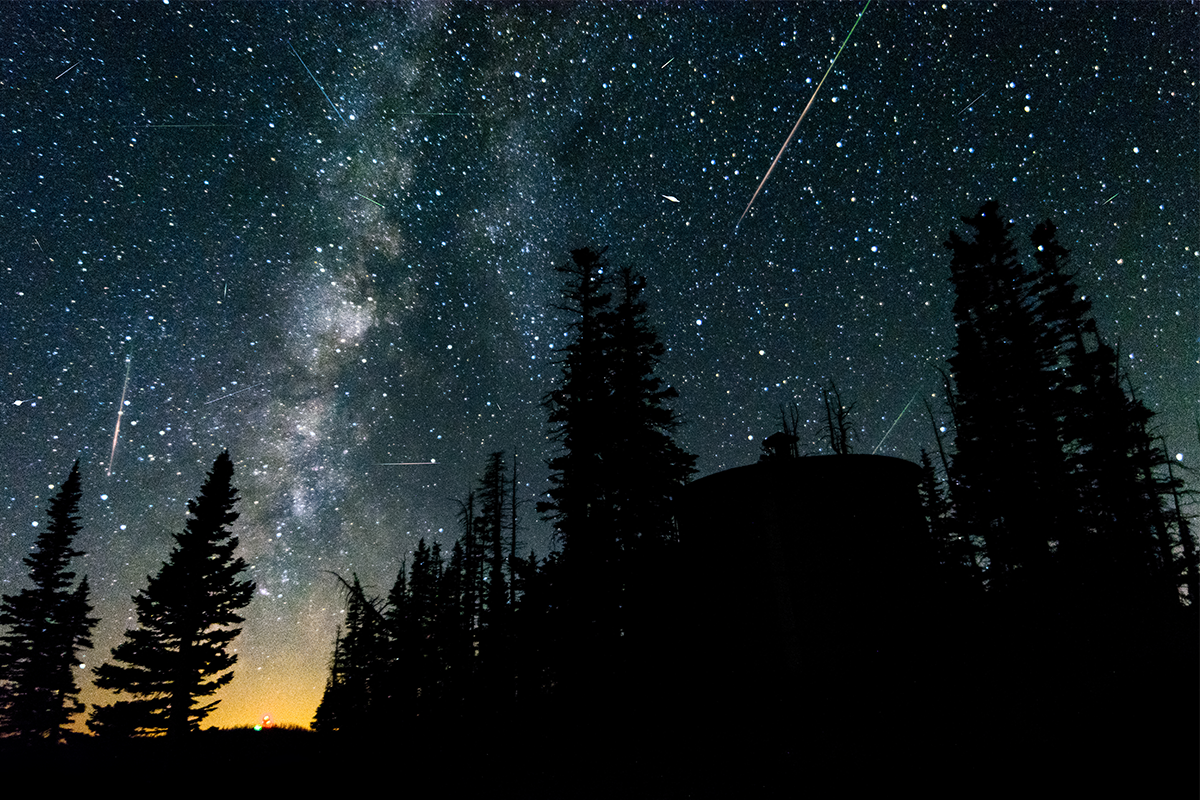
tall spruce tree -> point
(1055, 469)
(1008, 463)
(353, 692)
(614, 476)
(576, 502)
(179, 654)
(649, 468)
(490, 525)
(48, 626)
(618, 465)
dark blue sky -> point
(326, 271)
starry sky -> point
(324, 237)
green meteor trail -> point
(318, 83)
(369, 200)
(802, 113)
(889, 430)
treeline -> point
(1054, 514)
(1055, 492)
(481, 630)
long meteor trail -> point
(120, 413)
(788, 140)
(319, 86)
(889, 430)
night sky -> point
(324, 237)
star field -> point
(323, 237)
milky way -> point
(324, 238)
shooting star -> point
(369, 200)
(973, 102)
(39, 244)
(664, 66)
(68, 69)
(671, 198)
(319, 86)
(889, 430)
(120, 413)
(405, 463)
(1109, 200)
(192, 125)
(788, 140)
(231, 394)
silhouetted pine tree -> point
(360, 649)
(616, 472)
(425, 577)
(399, 650)
(178, 653)
(648, 468)
(1055, 465)
(48, 626)
(1008, 466)
(494, 667)
(491, 524)
(328, 717)
(576, 503)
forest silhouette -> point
(1023, 597)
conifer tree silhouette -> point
(48, 626)
(1008, 448)
(616, 472)
(187, 615)
(1055, 468)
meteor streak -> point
(404, 463)
(68, 69)
(1109, 200)
(231, 394)
(788, 140)
(192, 125)
(120, 413)
(319, 86)
(889, 430)
(369, 200)
(664, 66)
(968, 105)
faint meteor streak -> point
(231, 394)
(404, 463)
(788, 140)
(973, 102)
(319, 86)
(901, 414)
(120, 413)
(68, 69)
(369, 200)
(1109, 200)
(191, 125)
